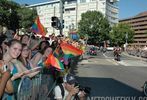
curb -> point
(140, 58)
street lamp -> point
(126, 38)
(125, 45)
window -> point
(82, 1)
(69, 9)
(93, 0)
(66, 27)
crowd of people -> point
(137, 51)
(22, 53)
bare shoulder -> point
(38, 55)
(16, 62)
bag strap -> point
(62, 90)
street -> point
(108, 77)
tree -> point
(14, 16)
(118, 34)
(27, 17)
(95, 25)
(8, 14)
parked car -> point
(93, 51)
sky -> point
(127, 8)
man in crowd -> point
(67, 90)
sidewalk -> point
(140, 58)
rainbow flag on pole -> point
(53, 61)
(38, 28)
(70, 50)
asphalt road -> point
(108, 77)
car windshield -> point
(93, 48)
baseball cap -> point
(69, 78)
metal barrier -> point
(36, 88)
(39, 87)
(25, 89)
(142, 53)
(47, 82)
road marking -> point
(112, 61)
(123, 63)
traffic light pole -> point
(54, 15)
(61, 17)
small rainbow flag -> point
(58, 52)
(69, 49)
(38, 28)
(53, 61)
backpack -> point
(62, 89)
(51, 94)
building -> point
(73, 10)
(139, 25)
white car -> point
(110, 48)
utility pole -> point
(76, 14)
(125, 46)
(54, 15)
(61, 16)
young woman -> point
(13, 51)
(24, 57)
(41, 56)
(25, 39)
(17, 69)
(43, 44)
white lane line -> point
(110, 60)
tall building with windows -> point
(139, 25)
(73, 10)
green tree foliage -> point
(118, 34)
(8, 14)
(13, 15)
(95, 25)
(27, 17)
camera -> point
(87, 90)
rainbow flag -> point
(58, 52)
(38, 28)
(69, 49)
(53, 61)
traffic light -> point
(62, 24)
(55, 22)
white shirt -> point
(58, 94)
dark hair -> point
(12, 42)
(24, 45)
(43, 50)
(20, 57)
(1, 53)
(33, 37)
(46, 42)
(54, 45)
(2, 38)
(23, 36)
